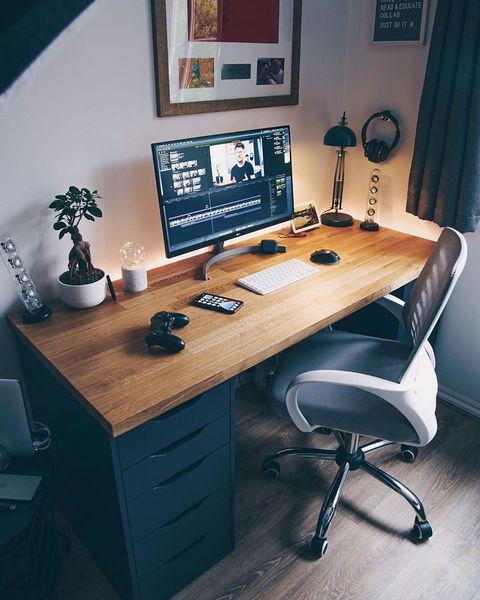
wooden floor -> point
(370, 554)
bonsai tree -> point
(70, 209)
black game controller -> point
(161, 325)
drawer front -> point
(179, 533)
(176, 457)
(166, 429)
(175, 495)
(172, 576)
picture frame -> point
(217, 60)
(399, 23)
(305, 217)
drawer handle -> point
(182, 552)
(170, 480)
(177, 409)
(184, 513)
(178, 443)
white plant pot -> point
(83, 296)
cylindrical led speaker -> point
(373, 201)
(34, 311)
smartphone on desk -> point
(221, 304)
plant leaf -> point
(94, 210)
(61, 197)
(88, 217)
(59, 225)
(63, 232)
(74, 190)
(57, 204)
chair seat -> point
(338, 407)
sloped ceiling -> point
(27, 27)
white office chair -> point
(359, 385)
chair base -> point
(349, 456)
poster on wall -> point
(213, 55)
(400, 22)
(233, 21)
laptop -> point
(18, 487)
(15, 434)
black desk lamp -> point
(343, 137)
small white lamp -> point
(134, 271)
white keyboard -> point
(271, 279)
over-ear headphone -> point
(376, 150)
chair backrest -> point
(433, 288)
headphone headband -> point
(385, 115)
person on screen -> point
(263, 72)
(243, 169)
(276, 71)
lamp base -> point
(369, 226)
(41, 314)
(336, 219)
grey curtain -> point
(444, 183)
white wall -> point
(378, 77)
(457, 343)
(86, 116)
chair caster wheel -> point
(422, 530)
(409, 453)
(271, 469)
(318, 547)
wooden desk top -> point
(101, 355)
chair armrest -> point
(393, 304)
(388, 390)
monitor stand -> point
(221, 254)
(265, 247)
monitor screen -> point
(217, 187)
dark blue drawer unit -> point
(177, 475)
(167, 462)
(179, 493)
(153, 506)
(205, 551)
(155, 435)
(182, 532)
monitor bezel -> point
(220, 238)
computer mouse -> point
(324, 257)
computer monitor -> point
(218, 187)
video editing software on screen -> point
(218, 187)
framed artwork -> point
(399, 22)
(213, 55)
(305, 217)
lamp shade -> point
(340, 135)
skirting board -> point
(467, 404)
